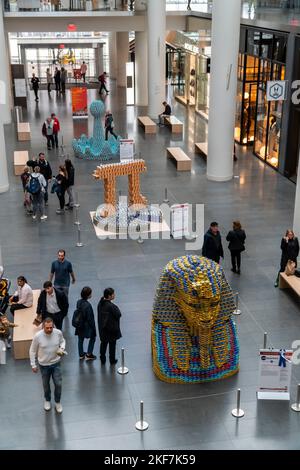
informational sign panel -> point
(20, 88)
(79, 103)
(126, 149)
(276, 90)
(179, 220)
(275, 371)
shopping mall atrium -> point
(196, 104)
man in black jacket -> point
(109, 325)
(167, 112)
(46, 171)
(212, 245)
(52, 303)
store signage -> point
(179, 220)
(79, 103)
(191, 48)
(126, 150)
(275, 371)
(276, 90)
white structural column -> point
(4, 185)
(5, 112)
(123, 51)
(112, 47)
(156, 55)
(296, 225)
(141, 68)
(223, 85)
(99, 59)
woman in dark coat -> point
(70, 182)
(62, 180)
(289, 251)
(109, 325)
(87, 327)
(236, 238)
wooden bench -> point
(183, 162)
(174, 123)
(201, 147)
(21, 157)
(25, 331)
(148, 125)
(23, 130)
(292, 282)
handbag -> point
(37, 321)
(290, 268)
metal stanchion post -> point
(140, 240)
(123, 370)
(76, 217)
(166, 200)
(296, 406)
(76, 200)
(265, 340)
(141, 425)
(79, 242)
(238, 412)
(62, 148)
(236, 311)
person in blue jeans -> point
(62, 271)
(47, 347)
(87, 327)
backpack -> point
(78, 319)
(34, 185)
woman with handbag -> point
(289, 252)
(236, 238)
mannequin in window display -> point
(273, 137)
(246, 124)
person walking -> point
(27, 198)
(70, 183)
(63, 80)
(85, 327)
(57, 80)
(212, 245)
(109, 125)
(83, 70)
(109, 325)
(49, 79)
(289, 251)
(62, 182)
(35, 86)
(23, 297)
(102, 80)
(47, 347)
(36, 187)
(236, 238)
(52, 303)
(62, 270)
(46, 171)
(188, 5)
(56, 128)
(47, 131)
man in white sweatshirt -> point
(48, 346)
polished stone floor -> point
(100, 406)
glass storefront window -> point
(261, 125)
(238, 113)
(266, 45)
(279, 52)
(253, 42)
(203, 81)
(274, 126)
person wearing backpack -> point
(109, 125)
(84, 324)
(236, 238)
(36, 187)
